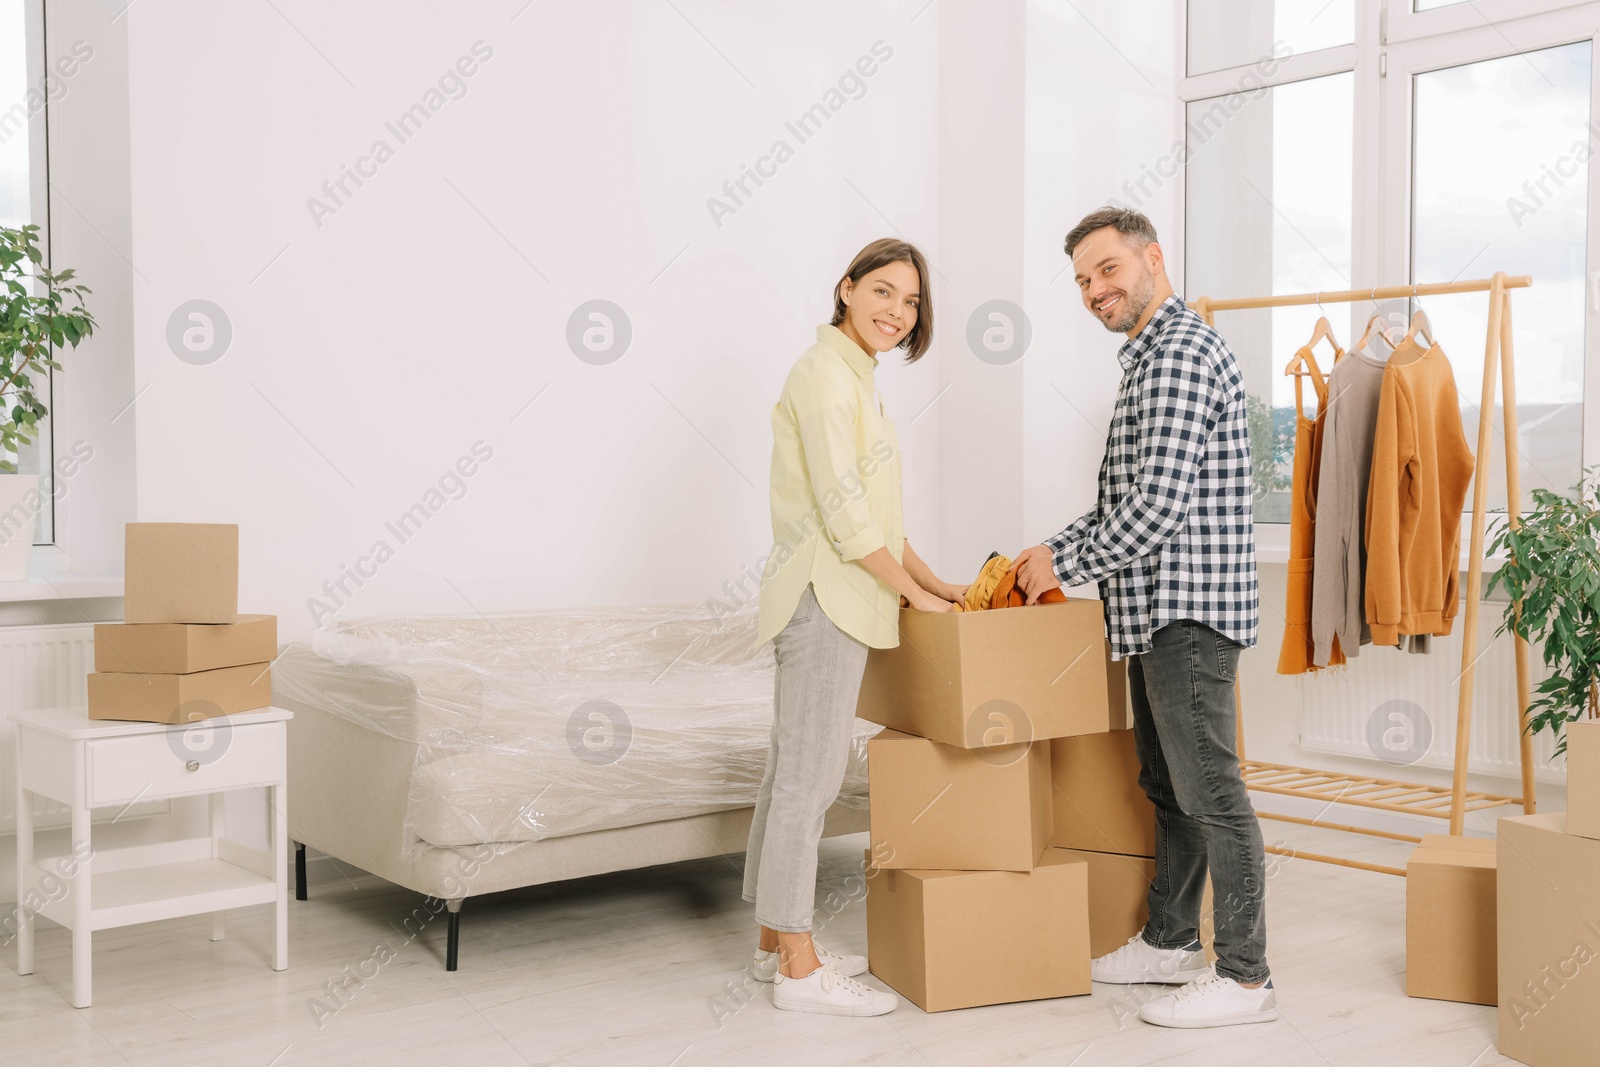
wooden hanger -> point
(1303, 362)
(1420, 324)
(1298, 365)
(1366, 335)
(1410, 349)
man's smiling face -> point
(1114, 277)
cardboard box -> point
(183, 648)
(1119, 891)
(1583, 778)
(1450, 920)
(987, 678)
(1548, 942)
(1095, 791)
(180, 697)
(957, 939)
(181, 572)
(938, 806)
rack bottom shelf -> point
(1382, 794)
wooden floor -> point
(627, 969)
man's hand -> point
(1036, 573)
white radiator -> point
(45, 667)
(1339, 703)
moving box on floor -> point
(958, 939)
(1450, 919)
(1548, 906)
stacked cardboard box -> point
(184, 651)
(995, 873)
(1583, 778)
(1548, 910)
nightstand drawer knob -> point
(192, 765)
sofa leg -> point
(453, 937)
(299, 871)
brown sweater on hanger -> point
(1421, 468)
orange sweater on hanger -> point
(1421, 469)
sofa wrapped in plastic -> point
(544, 725)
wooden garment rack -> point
(1411, 798)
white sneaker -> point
(828, 992)
(764, 966)
(1139, 962)
(1212, 1000)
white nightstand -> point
(94, 763)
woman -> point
(831, 590)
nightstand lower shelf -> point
(148, 883)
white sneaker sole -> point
(1226, 1020)
(852, 1011)
(1149, 977)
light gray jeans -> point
(813, 716)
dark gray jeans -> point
(1185, 731)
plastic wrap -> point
(563, 722)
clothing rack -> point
(1409, 797)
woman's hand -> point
(958, 593)
(926, 601)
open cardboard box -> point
(982, 679)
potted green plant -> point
(40, 312)
(1552, 575)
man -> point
(1171, 543)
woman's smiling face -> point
(882, 306)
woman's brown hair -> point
(880, 253)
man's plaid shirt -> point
(1171, 536)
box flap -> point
(1445, 851)
(1451, 843)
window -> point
(1500, 182)
(1447, 148)
(1233, 33)
(22, 188)
(1269, 210)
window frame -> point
(1392, 45)
(38, 61)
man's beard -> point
(1133, 306)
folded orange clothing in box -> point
(996, 587)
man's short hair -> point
(1135, 227)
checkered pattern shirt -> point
(1171, 536)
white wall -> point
(1101, 106)
(369, 353)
